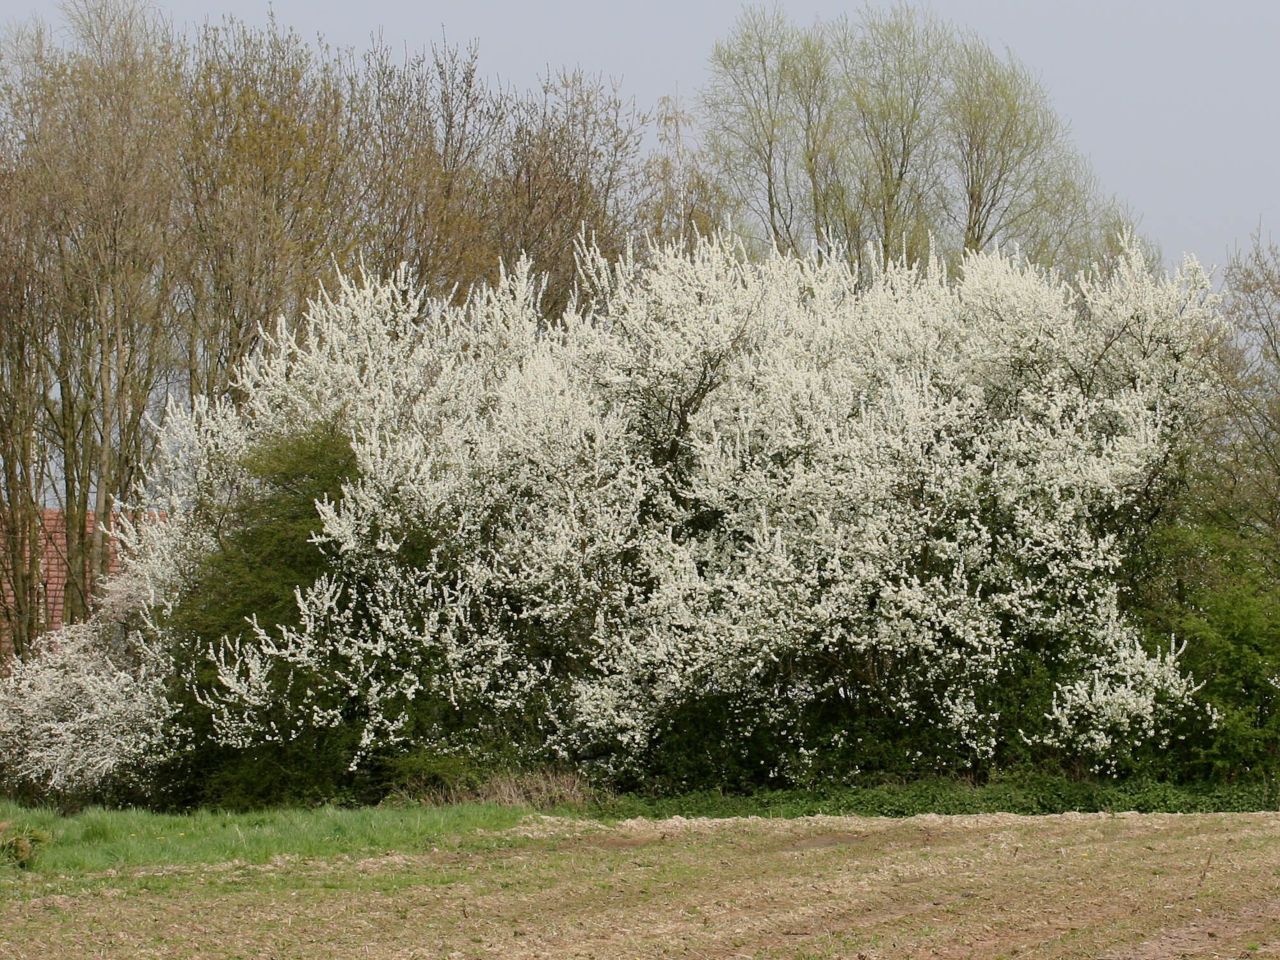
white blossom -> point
(775, 481)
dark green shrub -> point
(427, 774)
(264, 555)
(1213, 587)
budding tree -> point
(898, 133)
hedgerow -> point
(723, 522)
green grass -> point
(97, 840)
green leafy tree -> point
(264, 554)
(898, 133)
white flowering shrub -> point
(766, 511)
(898, 501)
(89, 708)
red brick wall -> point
(54, 570)
(54, 567)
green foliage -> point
(724, 743)
(307, 771)
(95, 839)
(1211, 586)
(422, 773)
(19, 844)
(1026, 792)
(265, 554)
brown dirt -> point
(1074, 886)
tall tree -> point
(1249, 450)
(568, 165)
(896, 133)
(425, 131)
(165, 198)
(264, 164)
(91, 152)
(750, 127)
(23, 459)
(681, 198)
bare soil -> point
(1071, 886)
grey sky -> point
(1175, 102)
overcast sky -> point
(1175, 102)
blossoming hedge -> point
(765, 520)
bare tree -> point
(90, 156)
(425, 132)
(681, 199)
(264, 160)
(1250, 447)
(751, 128)
(568, 164)
(23, 460)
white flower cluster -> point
(774, 483)
(89, 708)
